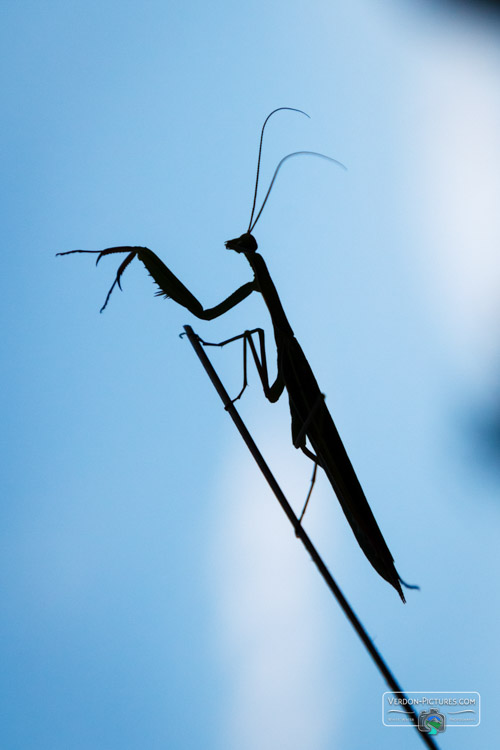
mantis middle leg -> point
(271, 392)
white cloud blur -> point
(458, 185)
(269, 614)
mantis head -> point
(244, 244)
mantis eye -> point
(244, 244)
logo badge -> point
(431, 722)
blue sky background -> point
(153, 595)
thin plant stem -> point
(304, 538)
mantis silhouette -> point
(310, 417)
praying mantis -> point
(310, 419)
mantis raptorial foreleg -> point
(169, 286)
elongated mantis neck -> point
(269, 292)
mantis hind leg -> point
(300, 427)
(313, 480)
(299, 430)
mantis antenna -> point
(289, 156)
(290, 109)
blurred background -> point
(153, 594)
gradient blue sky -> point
(153, 595)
